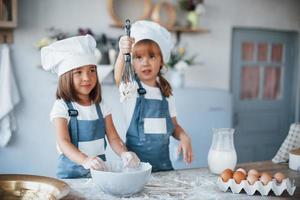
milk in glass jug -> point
(222, 154)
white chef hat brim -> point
(144, 29)
(65, 55)
(78, 61)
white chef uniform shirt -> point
(60, 110)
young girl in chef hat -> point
(80, 116)
(150, 110)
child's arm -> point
(72, 152)
(64, 141)
(185, 142)
(113, 138)
(130, 159)
(119, 68)
(125, 45)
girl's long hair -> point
(66, 90)
(152, 47)
(164, 86)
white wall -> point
(32, 148)
(221, 16)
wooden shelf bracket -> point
(6, 36)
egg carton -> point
(264, 190)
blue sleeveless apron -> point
(150, 147)
(80, 131)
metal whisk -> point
(128, 74)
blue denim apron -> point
(152, 148)
(80, 131)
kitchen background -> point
(204, 102)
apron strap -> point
(141, 91)
(73, 128)
(99, 112)
(100, 116)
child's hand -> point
(130, 159)
(94, 163)
(125, 44)
(185, 146)
(127, 90)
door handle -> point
(235, 119)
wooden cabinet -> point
(8, 20)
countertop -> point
(186, 184)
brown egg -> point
(226, 175)
(254, 172)
(279, 177)
(238, 176)
(251, 178)
(266, 173)
(242, 170)
(265, 178)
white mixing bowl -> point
(122, 182)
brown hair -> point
(66, 90)
(152, 47)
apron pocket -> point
(155, 126)
(92, 148)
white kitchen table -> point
(185, 184)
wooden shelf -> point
(8, 14)
(177, 30)
(8, 20)
(174, 29)
(188, 30)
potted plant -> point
(195, 8)
(178, 63)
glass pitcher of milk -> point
(222, 154)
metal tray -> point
(22, 186)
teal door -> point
(263, 84)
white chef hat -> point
(65, 55)
(143, 29)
